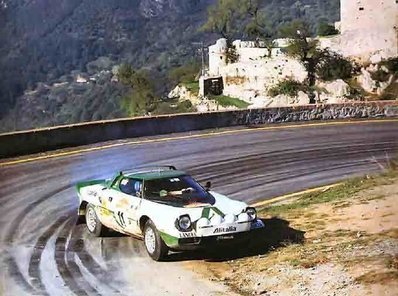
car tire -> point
(154, 244)
(93, 224)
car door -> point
(126, 200)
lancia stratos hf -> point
(166, 208)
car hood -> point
(222, 206)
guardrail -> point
(41, 140)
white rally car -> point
(167, 208)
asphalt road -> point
(44, 252)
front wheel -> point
(93, 224)
(154, 244)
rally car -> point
(166, 208)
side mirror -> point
(208, 186)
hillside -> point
(43, 40)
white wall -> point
(369, 27)
(254, 74)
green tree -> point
(223, 18)
(334, 66)
(258, 27)
(185, 74)
(325, 29)
(305, 49)
(142, 99)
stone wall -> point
(320, 112)
(41, 140)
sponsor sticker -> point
(223, 229)
(225, 237)
(187, 234)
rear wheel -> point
(93, 224)
(154, 244)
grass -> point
(226, 101)
(192, 86)
(339, 195)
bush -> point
(380, 75)
(287, 87)
(186, 73)
(391, 64)
(356, 90)
(334, 66)
(325, 29)
(391, 92)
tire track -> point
(256, 159)
(77, 245)
(67, 267)
(10, 261)
(18, 220)
(286, 157)
(16, 274)
(34, 263)
(233, 166)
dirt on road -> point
(340, 242)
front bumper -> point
(224, 240)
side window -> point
(130, 186)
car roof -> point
(153, 175)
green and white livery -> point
(167, 208)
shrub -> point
(324, 29)
(185, 73)
(287, 87)
(391, 92)
(391, 64)
(356, 90)
(380, 75)
(334, 66)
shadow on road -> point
(277, 233)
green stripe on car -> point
(206, 212)
(168, 239)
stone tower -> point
(369, 28)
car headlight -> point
(184, 223)
(252, 213)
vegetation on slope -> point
(157, 35)
(227, 101)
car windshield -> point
(179, 191)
